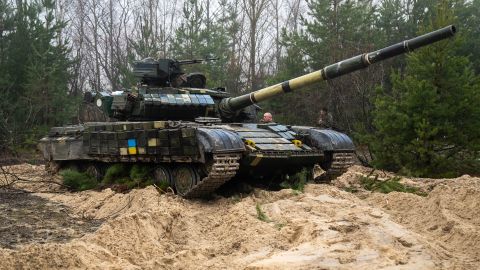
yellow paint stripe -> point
(256, 160)
(306, 80)
(268, 92)
(132, 150)
(297, 83)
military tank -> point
(196, 138)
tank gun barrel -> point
(229, 106)
(195, 61)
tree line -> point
(416, 114)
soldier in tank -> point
(267, 118)
(325, 119)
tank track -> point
(341, 161)
(224, 167)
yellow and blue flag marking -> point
(132, 146)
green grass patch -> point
(125, 175)
(115, 173)
(162, 184)
(351, 189)
(129, 183)
(261, 214)
(135, 176)
(140, 172)
(143, 175)
(297, 181)
(77, 181)
(388, 185)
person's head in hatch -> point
(267, 118)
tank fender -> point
(326, 139)
(62, 148)
(217, 140)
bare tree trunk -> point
(111, 47)
(277, 35)
(254, 10)
(95, 47)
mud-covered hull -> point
(209, 155)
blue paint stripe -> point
(132, 142)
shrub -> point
(114, 173)
(297, 181)
(77, 181)
(162, 184)
(428, 123)
(140, 172)
(389, 185)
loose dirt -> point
(324, 227)
(27, 218)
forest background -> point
(418, 114)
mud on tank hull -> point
(197, 159)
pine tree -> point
(35, 73)
(201, 36)
(469, 20)
(6, 28)
(430, 124)
(188, 36)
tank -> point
(197, 139)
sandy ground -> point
(323, 228)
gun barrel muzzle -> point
(364, 60)
(412, 44)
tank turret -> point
(164, 92)
(168, 72)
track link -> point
(341, 161)
(224, 167)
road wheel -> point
(162, 174)
(95, 170)
(185, 178)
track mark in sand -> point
(344, 228)
(26, 218)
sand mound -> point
(449, 216)
(324, 227)
(145, 230)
